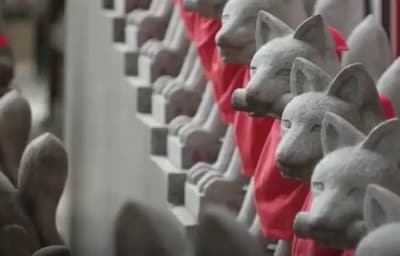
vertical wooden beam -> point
(395, 27)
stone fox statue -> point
(382, 218)
(32, 179)
(351, 94)
(145, 231)
(268, 90)
(352, 161)
(235, 39)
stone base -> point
(145, 68)
(182, 103)
(228, 197)
(119, 29)
(195, 202)
(131, 37)
(143, 94)
(185, 156)
(227, 194)
(130, 57)
(187, 220)
(159, 108)
(108, 4)
(158, 135)
(174, 179)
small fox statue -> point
(382, 218)
(352, 162)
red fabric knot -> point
(340, 42)
(3, 41)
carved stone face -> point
(235, 40)
(206, 8)
(340, 181)
(268, 90)
(382, 217)
(315, 94)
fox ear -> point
(314, 31)
(369, 34)
(15, 129)
(385, 139)
(142, 230)
(269, 27)
(336, 133)
(53, 250)
(220, 234)
(355, 86)
(305, 76)
(381, 207)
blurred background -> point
(35, 30)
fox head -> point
(388, 85)
(236, 41)
(145, 231)
(382, 218)
(206, 8)
(268, 90)
(342, 14)
(352, 161)
(369, 34)
(351, 94)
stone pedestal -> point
(143, 94)
(186, 155)
(180, 103)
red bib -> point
(188, 18)
(278, 200)
(3, 41)
(387, 106)
(250, 136)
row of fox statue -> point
(329, 99)
(335, 105)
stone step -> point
(174, 179)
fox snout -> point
(308, 226)
(248, 101)
(239, 100)
(328, 233)
(293, 170)
(228, 38)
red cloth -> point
(307, 247)
(278, 200)
(250, 136)
(387, 106)
(201, 31)
(340, 42)
(189, 19)
(3, 41)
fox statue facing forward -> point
(352, 161)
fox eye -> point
(253, 69)
(318, 186)
(284, 72)
(286, 124)
(225, 17)
(356, 192)
(316, 128)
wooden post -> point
(395, 27)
